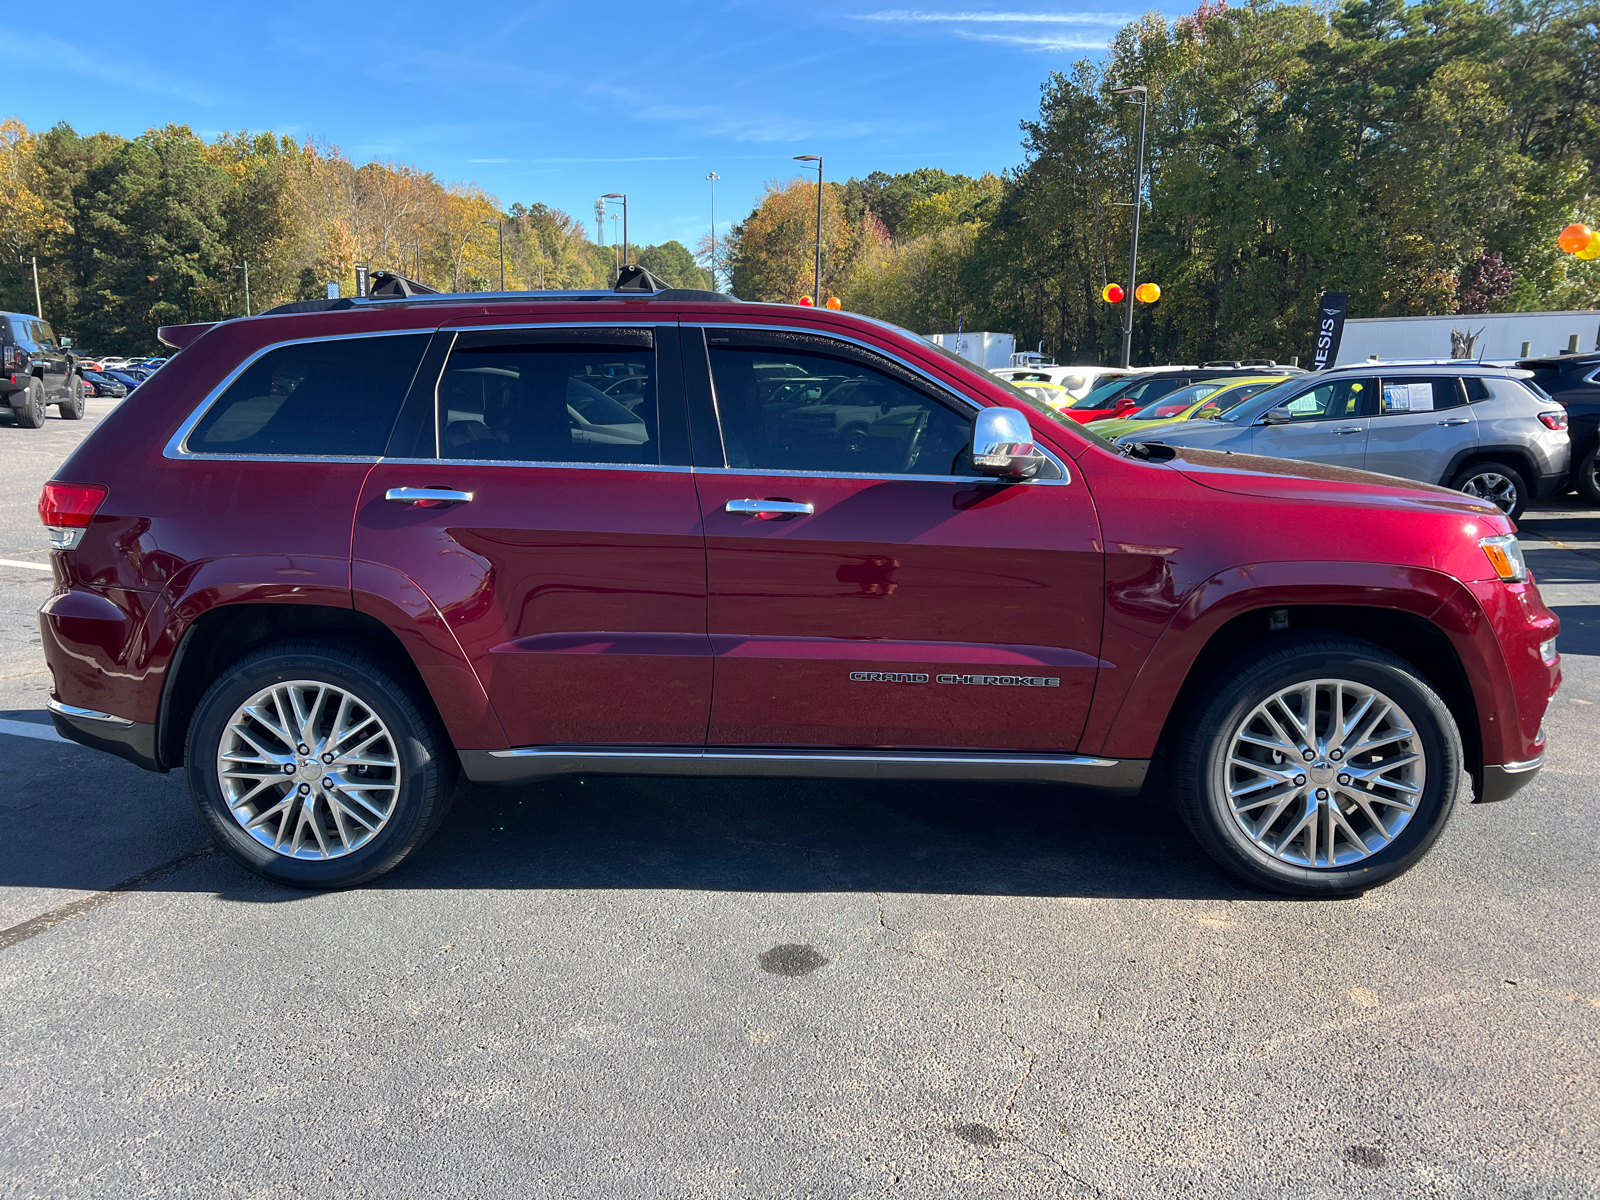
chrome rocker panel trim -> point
(1120, 776)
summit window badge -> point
(981, 680)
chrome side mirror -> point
(1002, 445)
(1277, 416)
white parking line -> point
(17, 562)
(45, 733)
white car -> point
(1077, 381)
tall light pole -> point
(623, 196)
(711, 178)
(1140, 95)
(37, 303)
(246, 270)
(816, 270)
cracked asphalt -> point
(676, 988)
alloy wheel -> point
(1324, 773)
(1493, 487)
(309, 770)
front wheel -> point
(73, 407)
(1499, 484)
(313, 765)
(1322, 768)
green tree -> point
(672, 263)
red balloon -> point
(1113, 294)
(805, 301)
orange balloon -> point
(1147, 293)
(835, 303)
(1575, 238)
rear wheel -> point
(1501, 485)
(72, 408)
(1587, 477)
(31, 414)
(1321, 768)
(313, 765)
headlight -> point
(1505, 556)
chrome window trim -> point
(942, 387)
(176, 448)
(526, 462)
(1590, 377)
(658, 323)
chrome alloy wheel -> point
(308, 770)
(1324, 773)
(1493, 487)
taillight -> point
(1554, 420)
(66, 510)
(8, 357)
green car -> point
(1208, 399)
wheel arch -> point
(224, 634)
(1515, 457)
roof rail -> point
(388, 285)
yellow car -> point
(1056, 397)
(1198, 400)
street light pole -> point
(37, 303)
(246, 270)
(623, 196)
(1140, 95)
(816, 267)
(712, 178)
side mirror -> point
(1002, 445)
(1276, 417)
(1124, 405)
(1208, 414)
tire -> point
(1501, 485)
(379, 810)
(1255, 844)
(1586, 477)
(73, 407)
(31, 414)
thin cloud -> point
(1044, 42)
(918, 16)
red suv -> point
(332, 557)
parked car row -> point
(1503, 432)
(38, 370)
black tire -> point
(1586, 477)
(31, 414)
(1497, 482)
(1226, 701)
(73, 407)
(426, 770)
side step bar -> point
(1119, 776)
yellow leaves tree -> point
(25, 222)
(772, 249)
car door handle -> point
(1457, 421)
(769, 508)
(426, 497)
(1352, 429)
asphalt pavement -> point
(662, 988)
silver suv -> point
(1487, 431)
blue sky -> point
(560, 102)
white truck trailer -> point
(987, 350)
(1499, 335)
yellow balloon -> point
(1592, 250)
(1148, 293)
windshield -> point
(1175, 404)
(1104, 392)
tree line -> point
(133, 233)
(1420, 157)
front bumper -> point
(1506, 780)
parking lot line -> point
(45, 733)
(85, 904)
(27, 566)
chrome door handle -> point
(426, 497)
(1351, 429)
(761, 508)
(1457, 421)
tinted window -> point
(1420, 394)
(557, 396)
(1341, 398)
(817, 410)
(1476, 388)
(337, 397)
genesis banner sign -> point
(1330, 328)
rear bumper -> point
(1549, 485)
(132, 740)
(1507, 779)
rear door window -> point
(336, 398)
(1420, 394)
(551, 396)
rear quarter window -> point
(335, 398)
